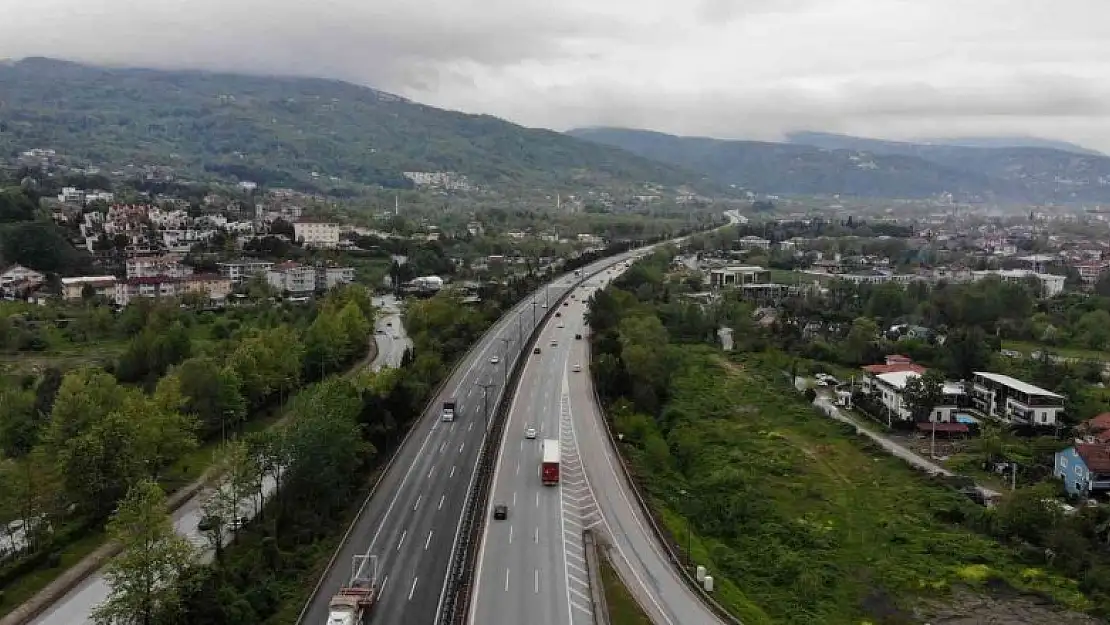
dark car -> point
(558, 314)
(578, 336)
(536, 351)
(501, 512)
(566, 303)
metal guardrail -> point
(660, 535)
(593, 571)
(463, 560)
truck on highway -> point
(549, 470)
(352, 604)
(448, 413)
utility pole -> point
(485, 399)
(534, 304)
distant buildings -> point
(316, 234)
(244, 269)
(291, 277)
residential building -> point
(1090, 272)
(1014, 401)
(155, 287)
(18, 275)
(292, 277)
(316, 234)
(428, 283)
(155, 266)
(1085, 469)
(215, 286)
(328, 276)
(889, 388)
(244, 269)
(737, 275)
(1051, 284)
(102, 286)
(752, 242)
(1094, 430)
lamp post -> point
(485, 399)
(689, 532)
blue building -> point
(1084, 468)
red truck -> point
(549, 470)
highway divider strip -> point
(660, 536)
(593, 576)
(464, 560)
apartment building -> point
(292, 277)
(1014, 401)
(155, 266)
(317, 234)
(102, 286)
(244, 269)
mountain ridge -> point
(875, 168)
(291, 131)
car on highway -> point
(558, 314)
(500, 512)
(389, 323)
(560, 325)
(577, 367)
(566, 303)
(536, 350)
(578, 337)
(494, 360)
(554, 343)
(530, 433)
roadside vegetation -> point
(623, 608)
(74, 443)
(800, 520)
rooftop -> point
(1017, 385)
(1095, 456)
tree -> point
(211, 395)
(858, 346)
(923, 393)
(20, 423)
(142, 578)
(236, 475)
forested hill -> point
(814, 163)
(279, 131)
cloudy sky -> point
(726, 68)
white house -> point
(890, 388)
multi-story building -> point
(155, 266)
(737, 275)
(1014, 401)
(102, 286)
(215, 286)
(1090, 272)
(244, 269)
(331, 276)
(1051, 284)
(316, 234)
(1084, 468)
(154, 287)
(292, 277)
(18, 274)
(887, 384)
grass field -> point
(623, 609)
(1026, 348)
(800, 521)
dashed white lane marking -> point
(413, 589)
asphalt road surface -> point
(532, 567)
(77, 605)
(411, 523)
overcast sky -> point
(725, 68)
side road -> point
(72, 595)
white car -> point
(494, 360)
(554, 343)
(577, 367)
(560, 324)
(530, 433)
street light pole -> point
(689, 533)
(485, 399)
(505, 357)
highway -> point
(412, 520)
(76, 606)
(531, 568)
